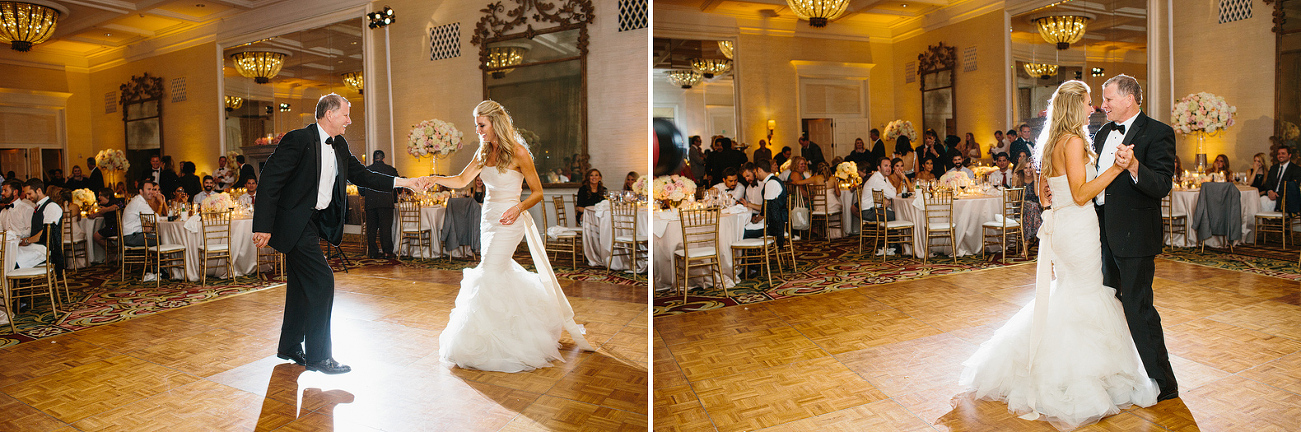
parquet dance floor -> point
(212, 366)
(887, 357)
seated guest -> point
(1032, 210)
(191, 182)
(774, 194)
(209, 188)
(70, 206)
(1003, 177)
(250, 195)
(108, 207)
(150, 201)
(77, 181)
(56, 178)
(960, 165)
(16, 217)
(589, 194)
(1000, 145)
(1221, 165)
(824, 175)
(224, 175)
(31, 250)
(629, 179)
(927, 172)
(478, 191)
(1282, 172)
(1256, 175)
(782, 157)
(753, 194)
(731, 187)
(878, 181)
(898, 179)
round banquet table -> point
(10, 259)
(1185, 201)
(431, 219)
(969, 213)
(86, 228)
(598, 226)
(243, 253)
(667, 230)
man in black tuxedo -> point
(811, 151)
(379, 211)
(96, 176)
(1023, 145)
(245, 170)
(878, 146)
(1279, 174)
(304, 199)
(1129, 215)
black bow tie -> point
(329, 140)
(7, 206)
(731, 189)
(1120, 128)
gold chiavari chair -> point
(128, 255)
(32, 282)
(625, 240)
(890, 232)
(756, 251)
(413, 233)
(699, 248)
(1006, 232)
(1273, 222)
(272, 258)
(216, 242)
(939, 221)
(1173, 222)
(161, 256)
(568, 241)
(819, 211)
(70, 243)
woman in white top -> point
(823, 175)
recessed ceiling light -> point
(354, 43)
(108, 34)
(200, 5)
(904, 5)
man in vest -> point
(774, 194)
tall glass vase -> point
(1200, 161)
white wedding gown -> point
(1073, 362)
(507, 319)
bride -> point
(506, 319)
(1067, 356)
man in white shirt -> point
(1003, 177)
(209, 184)
(224, 176)
(878, 181)
(16, 216)
(250, 198)
(132, 232)
(753, 193)
(730, 186)
(958, 161)
(31, 250)
(1001, 145)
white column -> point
(1160, 60)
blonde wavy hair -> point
(504, 129)
(1066, 117)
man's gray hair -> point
(1126, 85)
(329, 102)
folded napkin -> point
(662, 219)
(555, 231)
(998, 218)
(736, 209)
(918, 201)
(193, 224)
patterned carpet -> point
(1267, 260)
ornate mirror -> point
(142, 111)
(1287, 94)
(935, 67)
(540, 76)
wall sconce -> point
(284, 107)
(772, 124)
(1097, 72)
(381, 18)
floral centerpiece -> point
(847, 174)
(785, 165)
(1204, 114)
(217, 202)
(983, 171)
(530, 138)
(112, 160)
(84, 198)
(955, 179)
(269, 141)
(674, 189)
(433, 138)
(898, 128)
(642, 186)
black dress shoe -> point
(1167, 395)
(297, 357)
(329, 367)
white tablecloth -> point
(1185, 201)
(431, 219)
(598, 227)
(87, 228)
(848, 218)
(11, 257)
(968, 215)
(243, 252)
(667, 230)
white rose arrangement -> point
(433, 137)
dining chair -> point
(1274, 222)
(129, 255)
(890, 232)
(625, 238)
(1006, 232)
(70, 243)
(216, 242)
(939, 221)
(413, 233)
(755, 251)
(32, 282)
(867, 228)
(699, 248)
(271, 258)
(567, 242)
(1173, 222)
(819, 211)
(161, 256)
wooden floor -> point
(213, 367)
(887, 357)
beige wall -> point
(1234, 60)
(79, 107)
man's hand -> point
(1273, 196)
(261, 239)
(1124, 155)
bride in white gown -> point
(1067, 357)
(506, 319)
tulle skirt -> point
(504, 321)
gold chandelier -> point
(818, 12)
(711, 67)
(354, 81)
(1041, 70)
(234, 103)
(726, 48)
(504, 57)
(684, 77)
(28, 23)
(261, 64)
(1062, 30)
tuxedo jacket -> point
(96, 179)
(1133, 209)
(245, 173)
(290, 181)
(1271, 180)
(380, 199)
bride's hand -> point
(510, 215)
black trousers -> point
(1132, 279)
(309, 297)
(379, 220)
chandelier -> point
(684, 77)
(726, 48)
(1062, 30)
(504, 57)
(1041, 70)
(234, 103)
(818, 12)
(711, 67)
(354, 81)
(24, 24)
(261, 65)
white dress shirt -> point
(771, 190)
(1108, 156)
(18, 219)
(131, 216)
(737, 192)
(328, 171)
(199, 197)
(52, 213)
(997, 178)
(754, 195)
(876, 182)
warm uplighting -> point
(354, 81)
(234, 103)
(818, 12)
(24, 24)
(1062, 30)
(726, 48)
(261, 65)
(684, 77)
(710, 67)
(499, 57)
(772, 125)
(1041, 70)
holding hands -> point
(1125, 158)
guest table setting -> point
(598, 228)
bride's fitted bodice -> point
(1074, 229)
(502, 187)
(1061, 187)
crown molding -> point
(33, 98)
(825, 69)
(945, 16)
